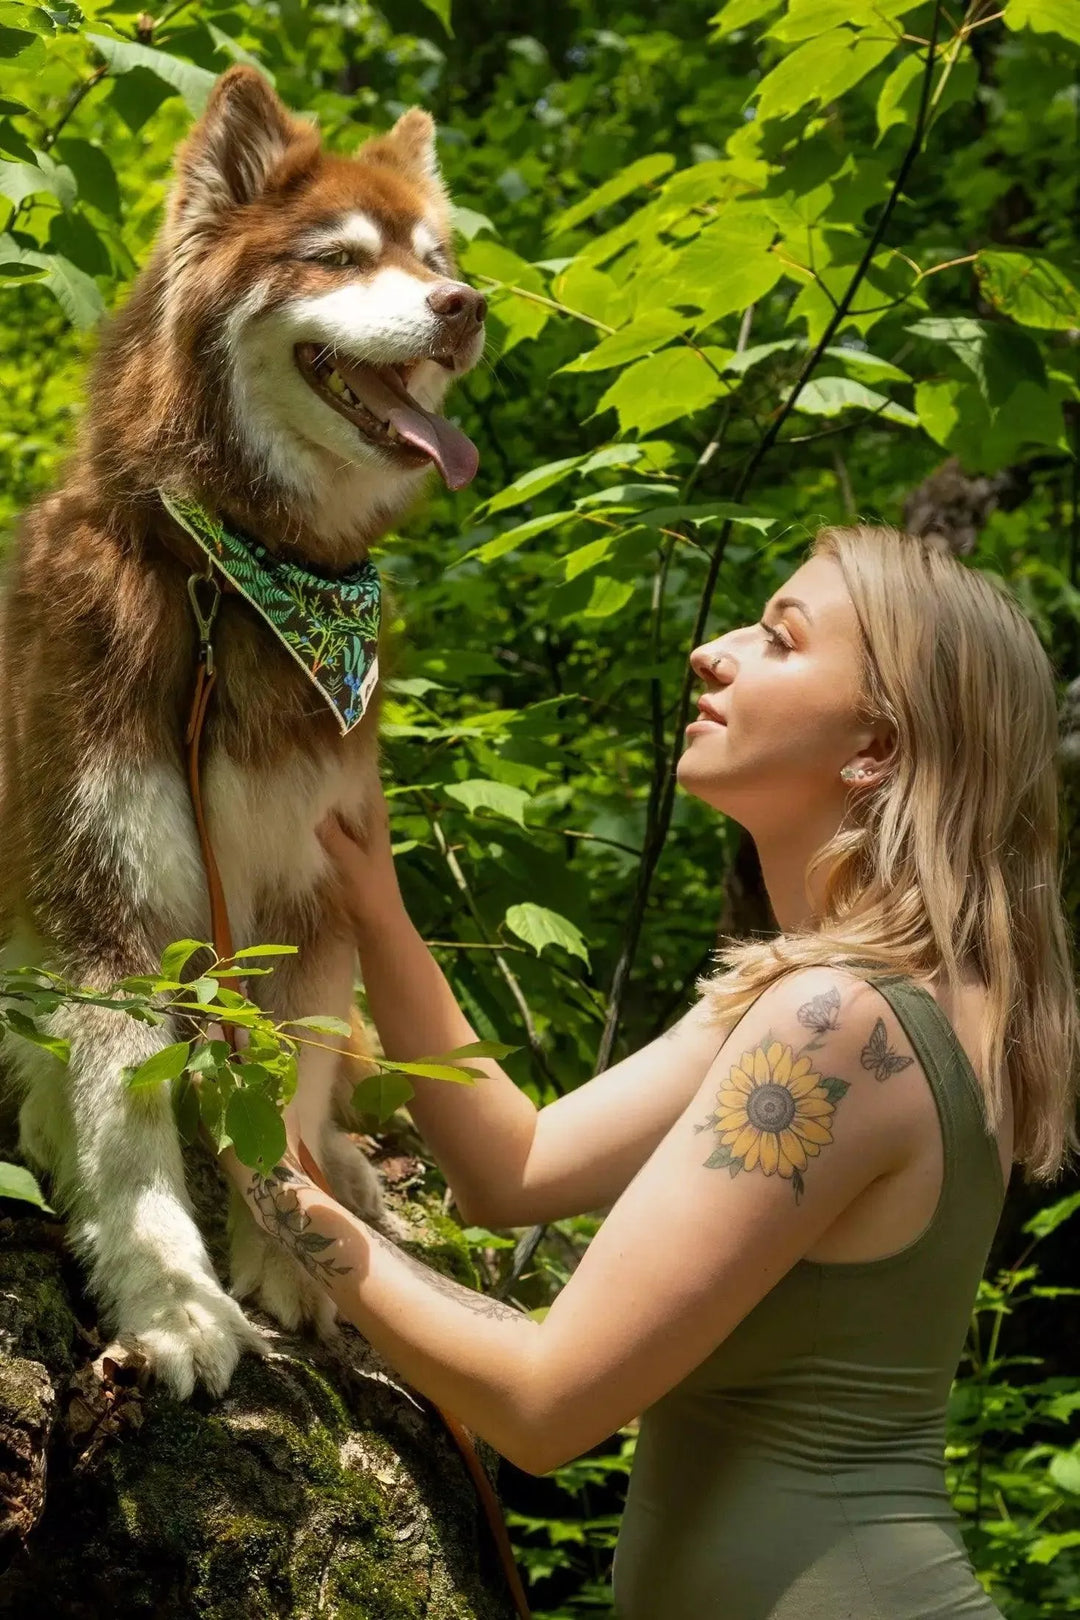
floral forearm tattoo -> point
(774, 1111)
(479, 1304)
(276, 1198)
(278, 1205)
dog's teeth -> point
(350, 396)
(336, 384)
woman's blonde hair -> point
(952, 863)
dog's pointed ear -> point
(228, 158)
(410, 148)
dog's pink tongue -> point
(382, 391)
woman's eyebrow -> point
(782, 602)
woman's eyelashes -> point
(777, 641)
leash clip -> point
(204, 617)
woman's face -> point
(777, 719)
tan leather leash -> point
(221, 936)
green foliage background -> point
(749, 272)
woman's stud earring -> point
(848, 773)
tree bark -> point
(318, 1486)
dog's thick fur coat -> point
(271, 250)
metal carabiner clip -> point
(204, 617)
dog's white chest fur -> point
(262, 825)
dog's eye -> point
(336, 256)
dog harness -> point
(329, 623)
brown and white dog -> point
(275, 261)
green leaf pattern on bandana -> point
(329, 624)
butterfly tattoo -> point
(820, 1013)
(876, 1056)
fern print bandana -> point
(330, 625)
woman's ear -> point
(874, 758)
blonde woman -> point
(806, 1172)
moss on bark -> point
(316, 1487)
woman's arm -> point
(507, 1163)
(734, 1195)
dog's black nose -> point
(459, 306)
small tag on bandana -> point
(330, 624)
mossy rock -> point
(317, 1486)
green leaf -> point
(381, 1094)
(588, 291)
(21, 180)
(27, 1030)
(492, 1049)
(499, 797)
(74, 291)
(432, 1069)
(1030, 287)
(539, 927)
(531, 483)
(1054, 1215)
(666, 387)
(649, 332)
(184, 1099)
(208, 1057)
(828, 396)
(643, 172)
(167, 1064)
(13, 143)
(739, 13)
(236, 51)
(440, 9)
(999, 356)
(478, 1237)
(608, 596)
(175, 957)
(820, 71)
(1045, 17)
(1044, 1549)
(323, 1024)
(257, 1129)
(892, 101)
(18, 1182)
(1064, 1470)
(625, 496)
(94, 174)
(264, 950)
(510, 539)
(27, 16)
(806, 18)
(720, 1158)
(706, 512)
(193, 83)
(469, 223)
(588, 556)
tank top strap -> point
(966, 1139)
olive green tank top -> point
(798, 1472)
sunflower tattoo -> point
(773, 1113)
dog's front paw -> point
(199, 1335)
(262, 1271)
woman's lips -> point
(708, 718)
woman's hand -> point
(365, 866)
